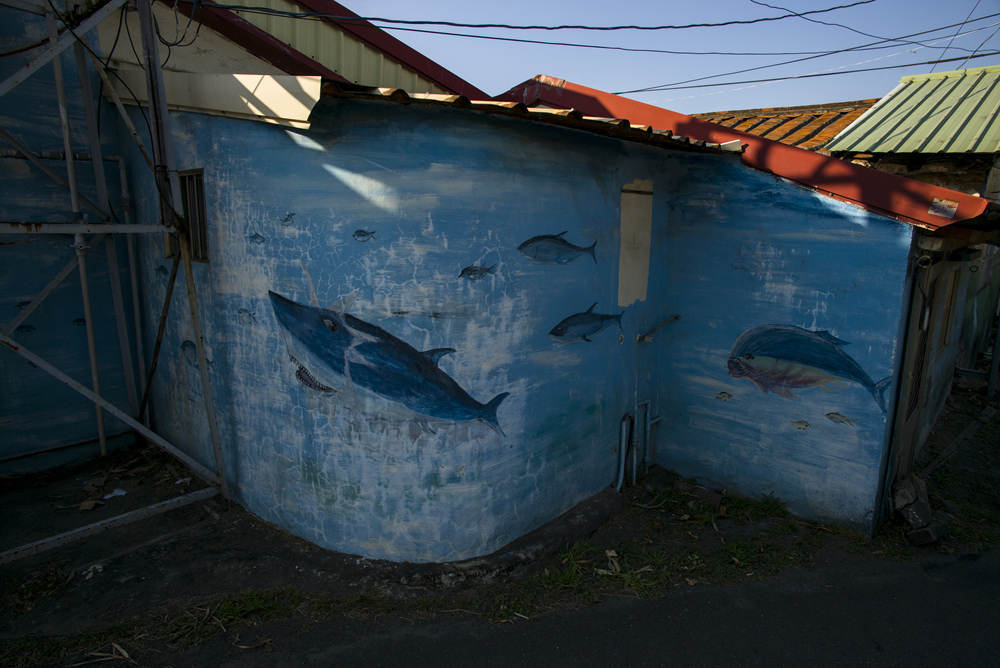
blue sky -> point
(496, 66)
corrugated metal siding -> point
(808, 127)
(947, 112)
(342, 53)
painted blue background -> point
(444, 189)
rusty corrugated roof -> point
(925, 205)
(809, 127)
(944, 112)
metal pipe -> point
(202, 472)
(93, 132)
(100, 527)
(161, 329)
(64, 118)
(624, 438)
(168, 187)
(140, 352)
(12, 227)
(121, 109)
(48, 171)
(95, 378)
(59, 45)
(991, 384)
(46, 291)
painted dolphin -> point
(337, 347)
(782, 358)
(582, 326)
(553, 249)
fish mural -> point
(475, 272)
(553, 249)
(799, 424)
(337, 349)
(837, 418)
(723, 396)
(247, 317)
(287, 220)
(583, 326)
(782, 358)
(363, 235)
(190, 352)
(256, 238)
(80, 322)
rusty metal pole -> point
(170, 206)
(78, 241)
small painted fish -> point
(247, 317)
(363, 235)
(162, 272)
(723, 396)
(799, 424)
(287, 220)
(256, 238)
(837, 418)
(22, 305)
(80, 322)
(583, 326)
(26, 329)
(475, 272)
(553, 249)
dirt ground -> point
(149, 591)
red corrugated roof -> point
(921, 204)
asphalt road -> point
(941, 612)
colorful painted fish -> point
(474, 272)
(582, 326)
(553, 249)
(338, 348)
(783, 358)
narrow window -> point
(193, 200)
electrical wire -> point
(872, 46)
(814, 75)
(976, 6)
(505, 26)
(677, 84)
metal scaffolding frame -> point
(172, 221)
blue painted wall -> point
(415, 215)
(38, 412)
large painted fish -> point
(553, 249)
(783, 358)
(337, 347)
(582, 326)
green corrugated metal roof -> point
(944, 112)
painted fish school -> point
(424, 317)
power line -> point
(960, 27)
(872, 46)
(811, 76)
(505, 26)
(675, 84)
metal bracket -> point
(648, 336)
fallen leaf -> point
(90, 504)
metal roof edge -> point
(258, 42)
(924, 205)
(391, 47)
(615, 126)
